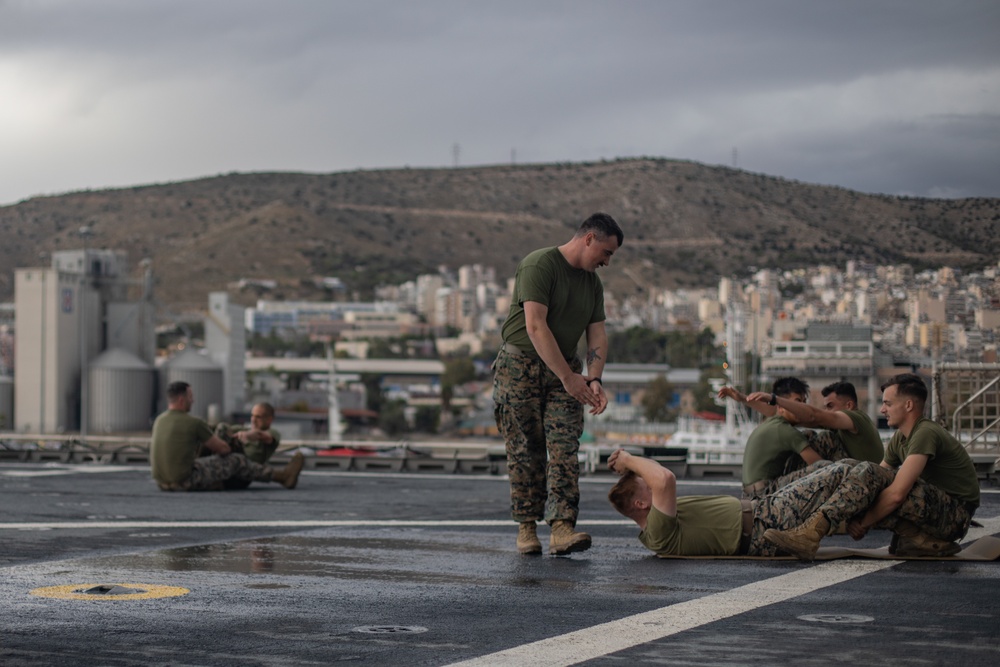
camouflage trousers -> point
(786, 479)
(931, 509)
(541, 425)
(823, 442)
(839, 490)
(227, 433)
(211, 473)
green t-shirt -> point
(176, 442)
(769, 448)
(574, 297)
(949, 467)
(866, 444)
(704, 526)
(257, 451)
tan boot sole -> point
(573, 547)
(294, 469)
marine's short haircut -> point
(844, 389)
(623, 492)
(268, 408)
(785, 387)
(177, 389)
(908, 384)
(603, 225)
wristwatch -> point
(774, 399)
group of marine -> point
(799, 485)
(807, 472)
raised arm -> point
(661, 481)
(760, 406)
(247, 435)
(808, 415)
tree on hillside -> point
(657, 400)
(680, 349)
(392, 417)
(427, 419)
(374, 396)
(704, 393)
(636, 345)
(456, 372)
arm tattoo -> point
(593, 355)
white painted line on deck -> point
(607, 638)
(991, 525)
(52, 471)
(600, 640)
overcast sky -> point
(897, 97)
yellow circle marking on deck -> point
(76, 592)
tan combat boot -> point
(565, 540)
(908, 541)
(288, 476)
(802, 541)
(527, 539)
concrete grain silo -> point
(121, 393)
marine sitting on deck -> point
(176, 447)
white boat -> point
(709, 441)
(722, 442)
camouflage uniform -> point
(827, 445)
(210, 473)
(257, 452)
(538, 420)
(797, 473)
(931, 509)
(823, 443)
(839, 490)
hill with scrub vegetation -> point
(685, 223)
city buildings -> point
(858, 323)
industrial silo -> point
(6, 403)
(121, 393)
(204, 376)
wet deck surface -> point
(420, 569)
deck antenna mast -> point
(735, 366)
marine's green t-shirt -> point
(176, 442)
(257, 451)
(866, 444)
(574, 297)
(769, 447)
(949, 467)
(704, 526)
